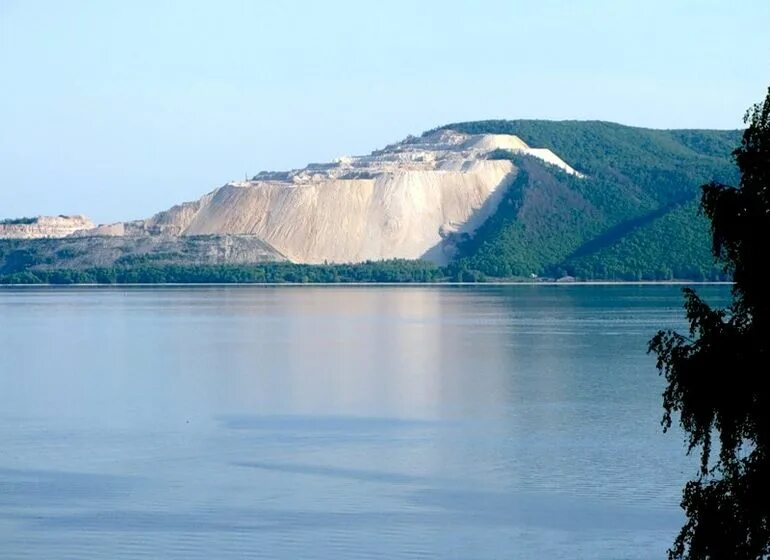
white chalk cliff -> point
(44, 227)
(404, 201)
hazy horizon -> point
(118, 111)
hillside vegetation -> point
(634, 216)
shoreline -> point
(379, 284)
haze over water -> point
(337, 422)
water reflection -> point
(355, 422)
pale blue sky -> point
(120, 109)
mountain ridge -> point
(592, 200)
(403, 201)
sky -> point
(118, 110)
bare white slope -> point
(397, 214)
(400, 202)
(44, 227)
(508, 142)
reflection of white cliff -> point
(404, 201)
(349, 351)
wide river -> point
(337, 423)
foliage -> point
(18, 260)
(539, 222)
(397, 271)
(717, 376)
(672, 245)
(665, 161)
(17, 221)
(551, 223)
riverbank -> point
(371, 284)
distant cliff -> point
(43, 226)
(410, 200)
(498, 199)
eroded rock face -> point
(44, 227)
(408, 200)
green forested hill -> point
(634, 215)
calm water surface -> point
(336, 422)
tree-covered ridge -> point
(551, 223)
(17, 221)
(673, 245)
(393, 271)
(597, 147)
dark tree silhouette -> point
(718, 377)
